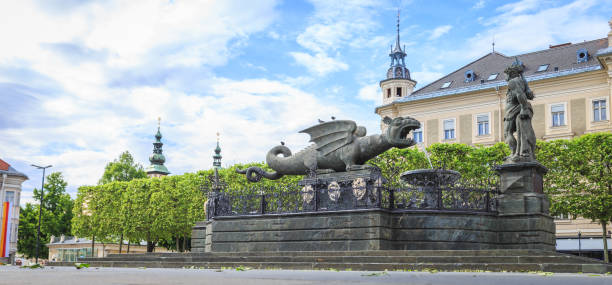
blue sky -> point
(82, 81)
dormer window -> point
(469, 76)
(493, 76)
(446, 84)
(582, 55)
(543, 67)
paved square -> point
(92, 276)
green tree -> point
(56, 216)
(476, 164)
(28, 221)
(580, 178)
(122, 169)
(394, 162)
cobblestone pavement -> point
(132, 276)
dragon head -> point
(398, 129)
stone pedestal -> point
(524, 208)
(198, 237)
(521, 188)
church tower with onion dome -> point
(157, 159)
(398, 83)
(217, 156)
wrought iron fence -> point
(326, 197)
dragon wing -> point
(331, 135)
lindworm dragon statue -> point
(339, 145)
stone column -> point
(524, 208)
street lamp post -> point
(579, 244)
(42, 195)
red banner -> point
(4, 232)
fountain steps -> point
(442, 260)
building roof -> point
(75, 240)
(9, 170)
(561, 60)
(68, 240)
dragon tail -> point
(254, 174)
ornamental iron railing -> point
(320, 195)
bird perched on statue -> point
(333, 118)
(321, 121)
(282, 143)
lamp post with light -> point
(42, 195)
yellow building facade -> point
(572, 84)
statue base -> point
(521, 187)
(523, 207)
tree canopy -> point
(579, 182)
(122, 169)
(56, 216)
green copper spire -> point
(157, 159)
(217, 156)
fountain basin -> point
(430, 177)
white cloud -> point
(334, 25)
(479, 5)
(247, 111)
(133, 32)
(440, 31)
(521, 27)
(425, 77)
(296, 81)
(97, 76)
(519, 7)
(274, 35)
(370, 92)
(319, 64)
(320, 37)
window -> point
(71, 254)
(388, 92)
(418, 135)
(563, 217)
(542, 67)
(446, 84)
(398, 92)
(582, 55)
(10, 197)
(493, 76)
(449, 129)
(599, 110)
(469, 76)
(558, 115)
(483, 124)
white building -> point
(10, 194)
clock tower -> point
(398, 83)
